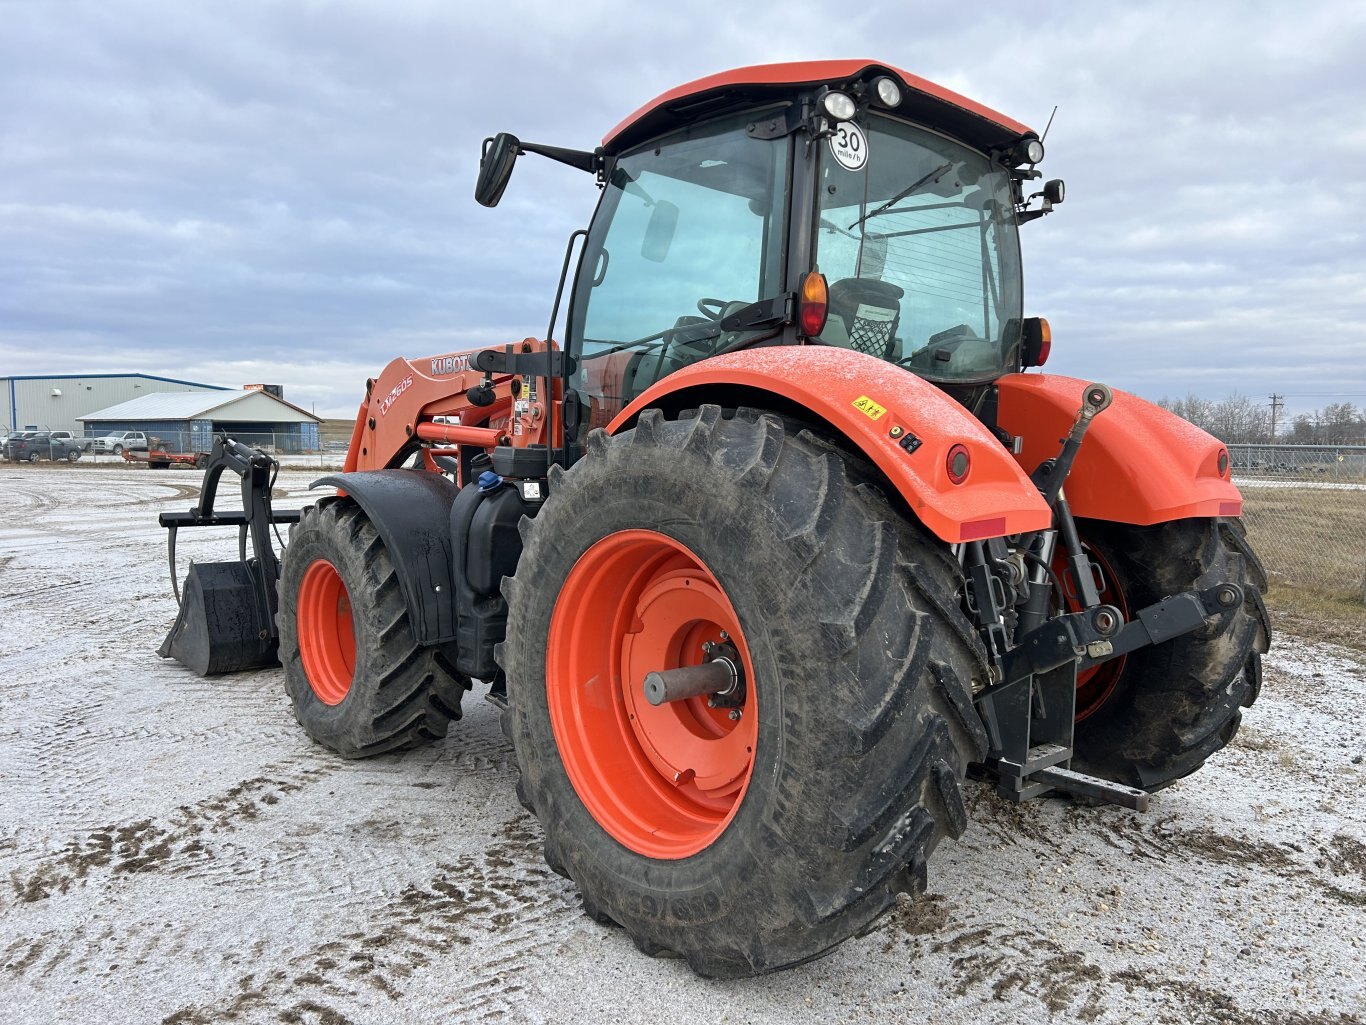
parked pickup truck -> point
(118, 441)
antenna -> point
(1050, 123)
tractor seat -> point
(869, 311)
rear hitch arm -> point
(1030, 715)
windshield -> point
(689, 230)
(917, 239)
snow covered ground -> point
(175, 850)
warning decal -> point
(869, 408)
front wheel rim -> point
(664, 781)
(327, 633)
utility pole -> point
(1276, 405)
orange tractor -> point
(778, 541)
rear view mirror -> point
(495, 168)
(659, 233)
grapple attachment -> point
(227, 609)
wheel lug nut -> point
(734, 715)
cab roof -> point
(923, 101)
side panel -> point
(411, 509)
(1139, 463)
(883, 411)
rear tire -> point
(359, 682)
(72, 457)
(1175, 704)
(858, 710)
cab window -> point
(689, 230)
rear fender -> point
(411, 510)
(1139, 463)
(902, 424)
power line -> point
(1276, 405)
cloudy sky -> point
(281, 191)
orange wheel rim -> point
(1095, 684)
(663, 781)
(327, 634)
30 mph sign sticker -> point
(849, 146)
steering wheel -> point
(712, 309)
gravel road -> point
(177, 851)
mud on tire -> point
(862, 668)
(401, 694)
(1176, 703)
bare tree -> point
(1233, 420)
(1338, 423)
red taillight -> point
(1223, 462)
(814, 307)
(958, 463)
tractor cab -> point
(840, 203)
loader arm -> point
(489, 407)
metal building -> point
(188, 422)
(56, 402)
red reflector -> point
(813, 318)
(1044, 349)
(975, 530)
(958, 463)
(1231, 508)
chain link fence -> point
(181, 448)
(1304, 505)
(1305, 510)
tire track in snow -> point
(167, 845)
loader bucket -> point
(221, 627)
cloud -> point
(230, 190)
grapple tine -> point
(170, 558)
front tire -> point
(358, 680)
(754, 844)
(1174, 704)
